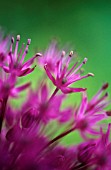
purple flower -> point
(43, 108)
(63, 77)
(50, 57)
(102, 154)
(15, 60)
(7, 86)
(86, 116)
(29, 135)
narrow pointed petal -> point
(6, 69)
(72, 90)
(17, 90)
(25, 72)
(29, 62)
(49, 74)
(44, 93)
(83, 105)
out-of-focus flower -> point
(7, 86)
(29, 138)
(63, 77)
(102, 154)
(50, 57)
(89, 113)
(15, 59)
(41, 108)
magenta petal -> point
(65, 115)
(23, 87)
(106, 137)
(6, 69)
(93, 132)
(49, 74)
(16, 90)
(83, 105)
(71, 90)
(98, 117)
(29, 62)
(26, 71)
(44, 93)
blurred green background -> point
(84, 24)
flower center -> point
(64, 80)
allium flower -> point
(15, 59)
(102, 154)
(28, 139)
(63, 77)
(87, 115)
(41, 107)
(7, 86)
(50, 57)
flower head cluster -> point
(15, 59)
(63, 77)
(30, 135)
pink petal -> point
(29, 62)
(25, 72)
(44, 93)
(15, 91)
(65, 115)
(72, 90)
(83, 105)
(6, 69)
(49, 74)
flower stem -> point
(61, 135)
(2, 111)
(53, 94)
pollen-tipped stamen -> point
(85, 76)
(101, 99)
(25, 51)
(16, 47)
(84, 62)
(38, 55)
(60, 62)
(12, 42)
(67, 63)
(73, 67)
(20, 52)
(104, 87)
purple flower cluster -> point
(30, 136)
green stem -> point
(53, 94)
(61, 135)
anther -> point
(38, 55)
(105, 86)
(28, 41)
(91, 74)
(63, 53)
(108, 113)
(26, 51)
(85, 60)
(12, 40)
(18, 37)
(106, 94)
(71, 53)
